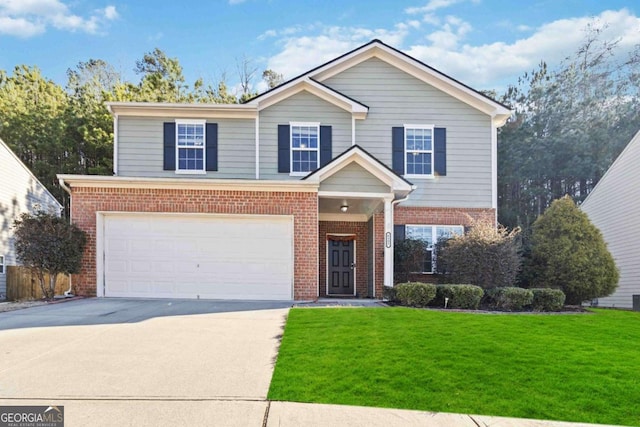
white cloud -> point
(300, 54)
(27, 18)
(19, 27)
(482, 65)
(449, 46)
(431, 6)
(110, 13)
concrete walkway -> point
(155, 363)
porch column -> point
(388, 242)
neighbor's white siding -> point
(395, 98)
(141, 149)
(613, 207)
(20, 192)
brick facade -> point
(440, 216)
(310, 236)
(360, 230)
(303, 206)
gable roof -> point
(4, 146)
(277, 94)
(620, 166)
(372, 165)
(375, 48)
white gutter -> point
(115, 143)
(353, 130)
(494, 170)
(258, 147)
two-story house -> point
(295, 194)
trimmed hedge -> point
(460, 296)
(414, 294)
(510, 298)
(545, 299)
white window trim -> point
(204, 147)
(434, 238)
(307, 124)
(433, 142)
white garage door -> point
(184, 256)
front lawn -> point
(575, 367)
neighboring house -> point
(294, 194)
(613, 207)
(20, 192)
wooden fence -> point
(22, 284)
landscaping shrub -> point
(415, 294)
(545, 299)
(484, 256)
(48, 245)
(460, 296)
(510, 298)
(569, 253)
(408, 257)
(389, 293)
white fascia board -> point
(191, 111)
(417, 70)
(358, 110)
(370, 165)
(99, 181)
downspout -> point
(67, 293)
(391, 248)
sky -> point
(486, 44)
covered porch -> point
(356, 197)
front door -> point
(341, 267)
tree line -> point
(569, 122)
(67, 129)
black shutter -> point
(325, 145)
(440, 151)
(397, 140)
(212, 146)
(284, 149)
(169, 146)
(398, 233)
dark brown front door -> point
(341, 267)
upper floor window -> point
(1, 264)
(418, 146)
(430, 235)
(305, 147)
(190, 146)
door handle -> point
(353, 265)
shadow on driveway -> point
(100, 311)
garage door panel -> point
(183, 256)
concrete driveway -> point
(139, 362)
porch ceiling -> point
(355, 206)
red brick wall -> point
(342, 227)
(439, 216)
(303, 206)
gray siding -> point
(613, 207)
(20, 192)
(396, 98)
(354, 178)
(140, 148)
(301, 107)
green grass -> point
(577, 367)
